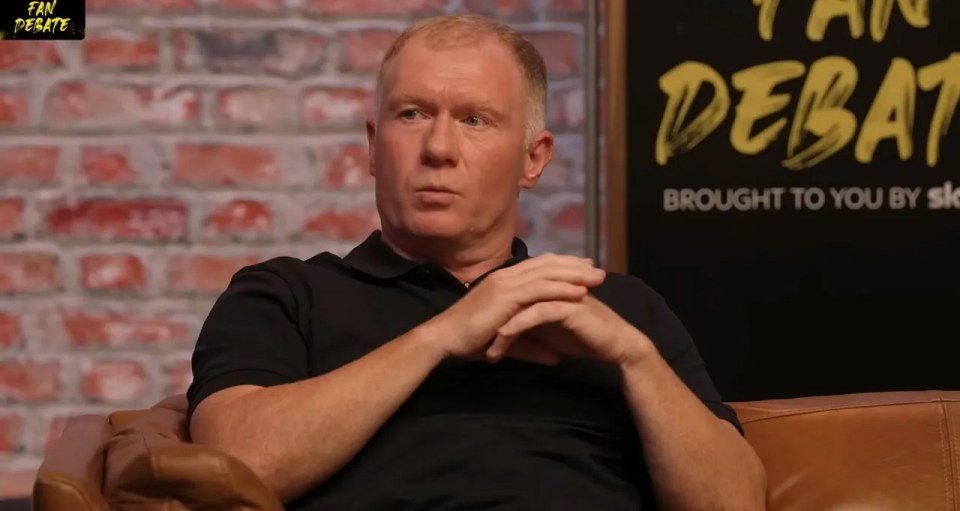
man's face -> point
(448, 152)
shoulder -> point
(286, 274)
(623, 290)
(283, 285)
(293, 269)
(641, 305)
(625, 282)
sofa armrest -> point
(71, 476)
(157, 471)
(149, 466)
(878, 451)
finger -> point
(575, 270)
(547, 291)
(589, 276)
(552, 259)
(498, 348)
(533, 316)
(532, 351)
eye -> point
(474, 121)
(409, 114)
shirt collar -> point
(375, 258)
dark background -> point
(793, 303)
(10, 10)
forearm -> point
(695, 460)
(297, 435)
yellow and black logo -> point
(32, 19)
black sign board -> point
(793, 187)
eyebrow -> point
(400, 99)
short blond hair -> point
(467, 29)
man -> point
(439, 367)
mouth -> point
(435, 189)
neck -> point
(465, 259)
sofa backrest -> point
(895, 451)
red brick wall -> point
(181, 140)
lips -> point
(435, 189)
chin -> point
(436, 226)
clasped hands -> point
(540, 310)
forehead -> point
(473, 64)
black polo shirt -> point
(474, 436)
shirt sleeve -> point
(677, 347)
(252, 336)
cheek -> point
(394, 161)
(499, 171)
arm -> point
(240, 419)
(695, 456)
(695, 459)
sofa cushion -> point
(150, 466)
(893, 451)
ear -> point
(371, 144)
(539, 154)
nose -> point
(440, 148)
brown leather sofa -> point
(890, 451)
